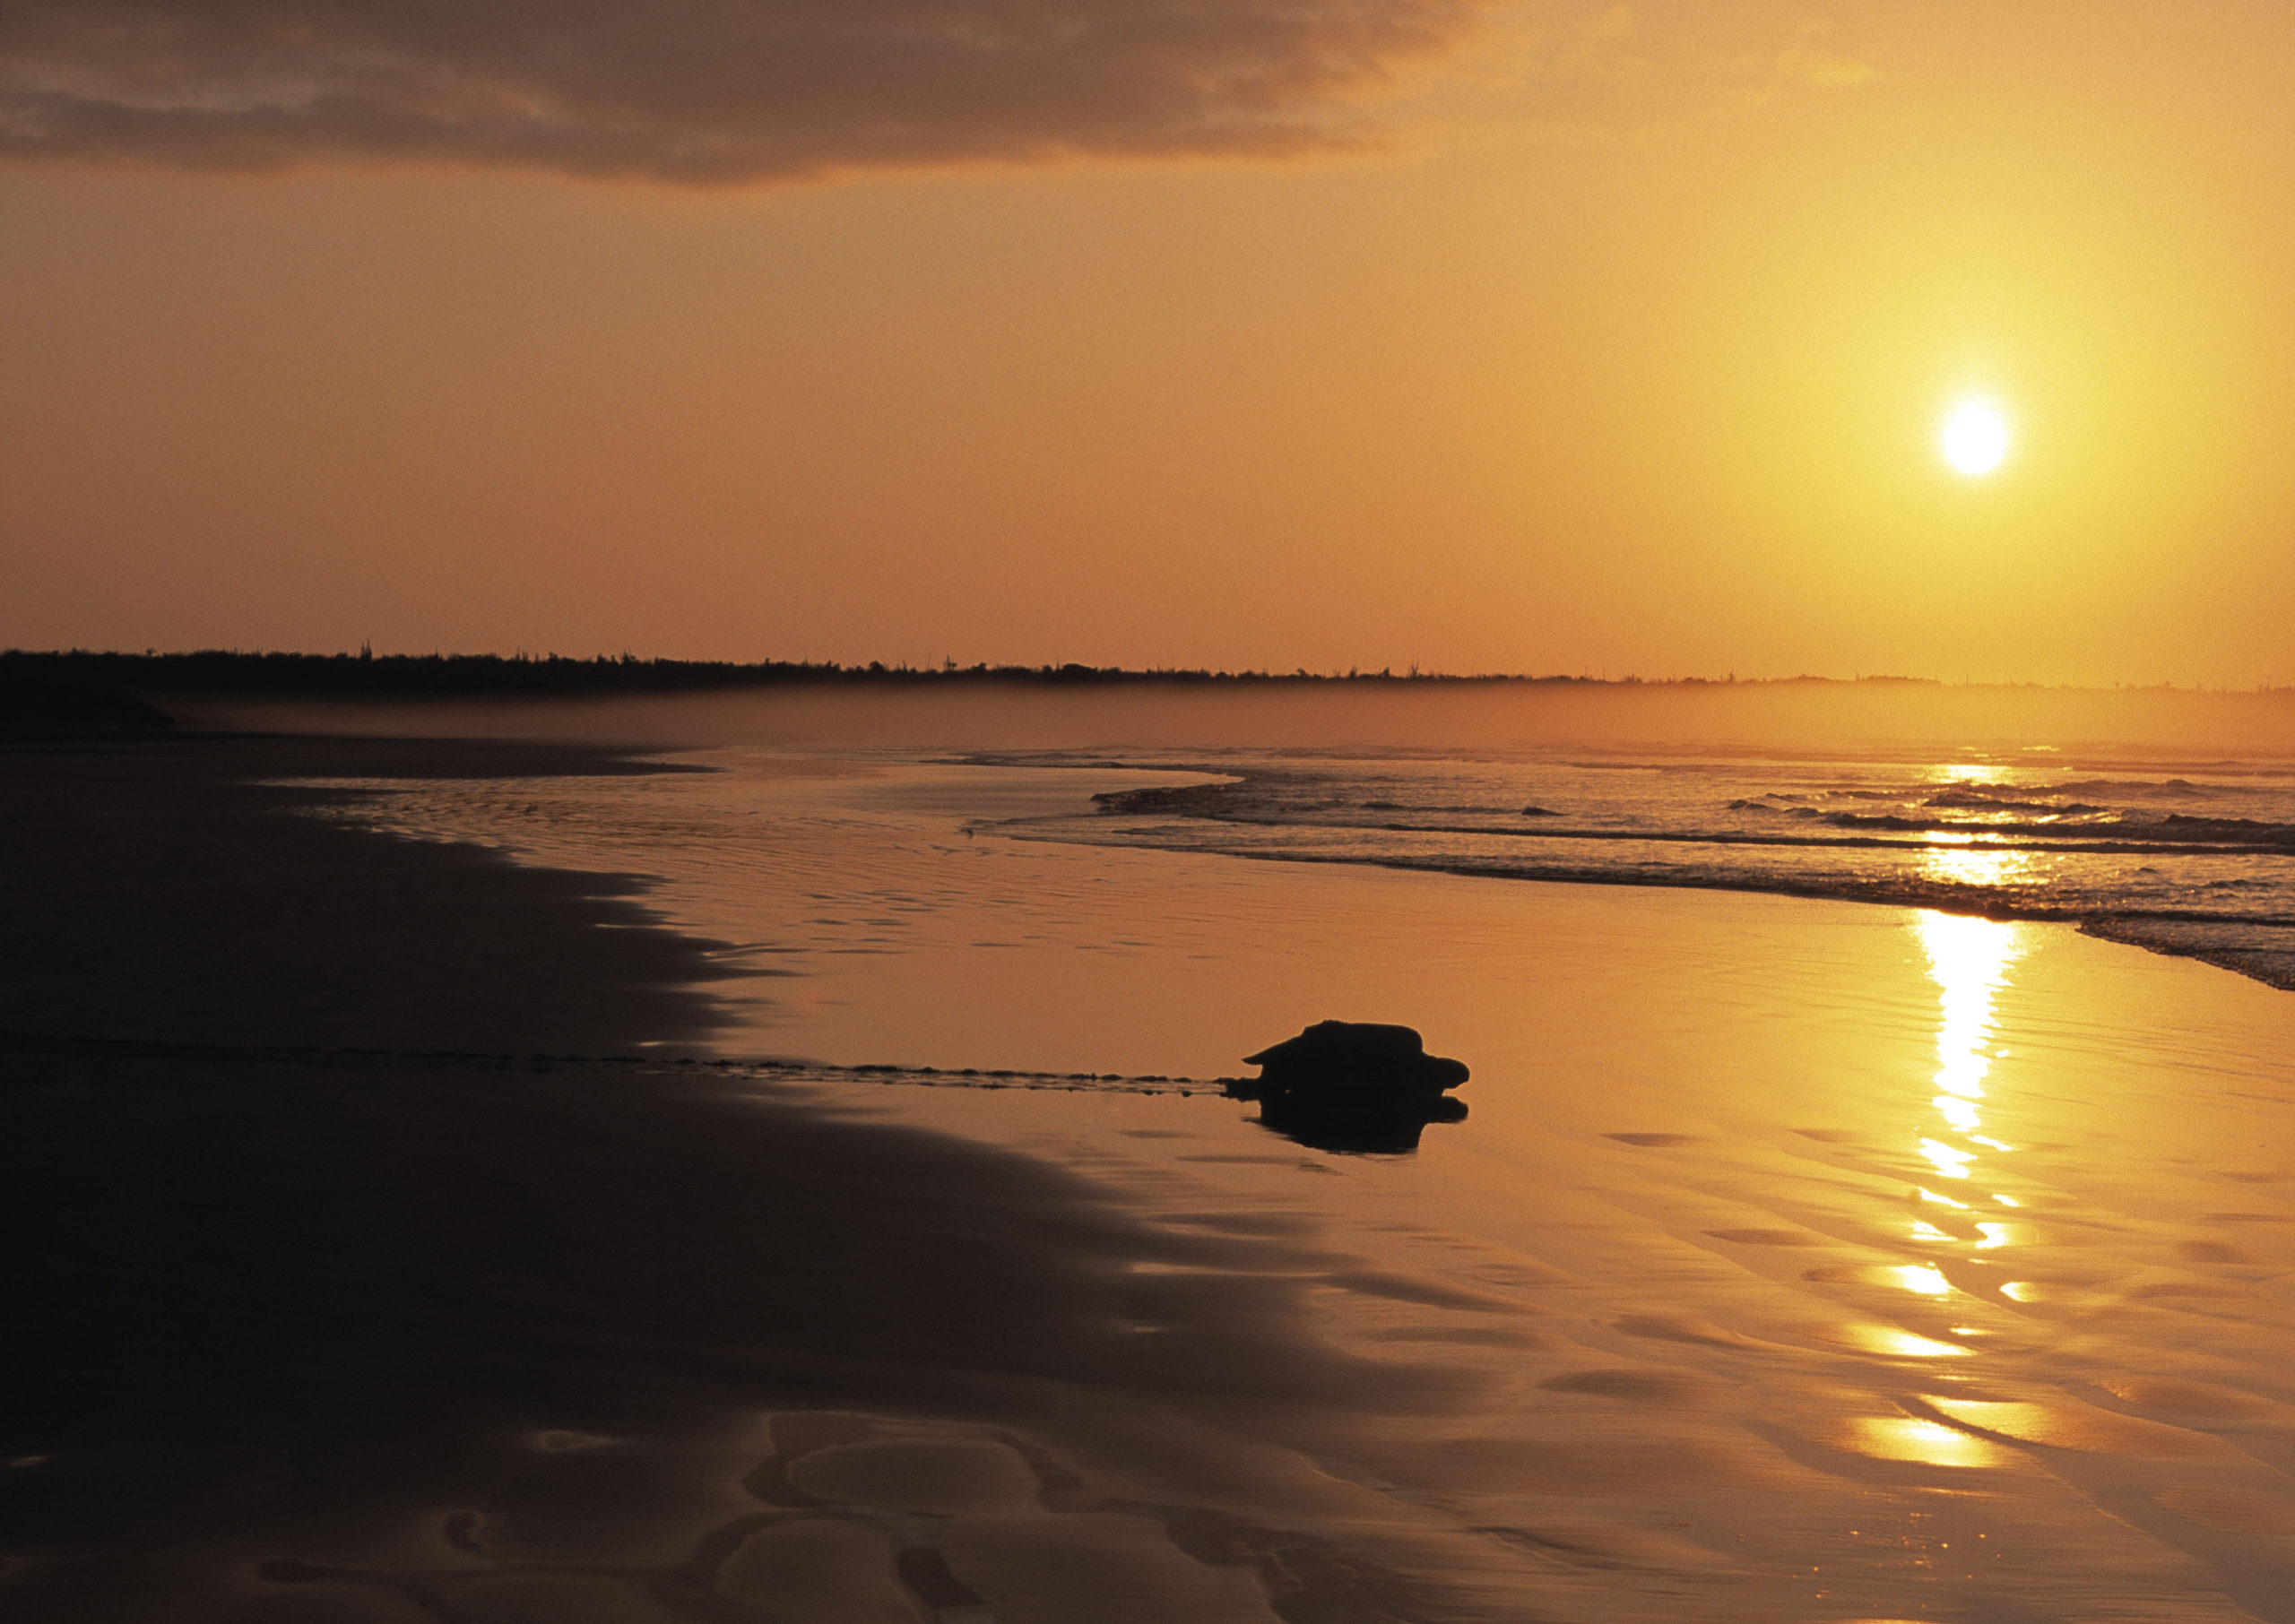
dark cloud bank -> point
(693, 91)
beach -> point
(1144, 812)
(399, 1249)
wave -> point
(1248, 801)
(2152, 787)
(1184, 800)
(2176, 828)
(1968, 800)
(2001, 902)
(2141, 861)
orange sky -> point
(1549, 337)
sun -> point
(1975, 437)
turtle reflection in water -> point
(1351, 1085)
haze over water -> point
(1841, 1231)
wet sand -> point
(163, 892)
(398, 1332)
(1798, 1261)
(1748, 1339)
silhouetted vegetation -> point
(368, 676)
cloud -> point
(697, 91)
(1626, 65)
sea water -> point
(2195, 855)
(1053, 908)
(1915, 1258)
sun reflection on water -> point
(1896, 1342)
(1976, 864)
(1921, 1278)
(1953, 1163)
(1929, 1443)
(1969, 960)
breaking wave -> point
(2140, 856)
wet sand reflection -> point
(1811, 1262)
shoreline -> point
(2258, 948)
(352, 1336)
(367, 1335)
(168, 891)
(2273, 966)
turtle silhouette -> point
(1353, 1085)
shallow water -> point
(1799, 1259)
(2183, 853)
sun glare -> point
(1975, 438)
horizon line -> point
(438, 673)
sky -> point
(1509, 335)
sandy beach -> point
(1705, 1312)
(1147, 812)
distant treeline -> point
(449, 676)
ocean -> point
(920, 907)
(2187, 855)
(1881, 1248)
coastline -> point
(160, 891)
(367, 1336)
(1688, 1311)
(2262, 953)
(1233, 816)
